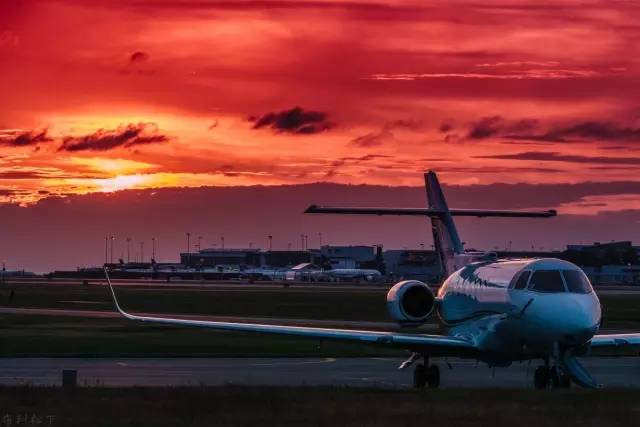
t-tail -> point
(446, 239)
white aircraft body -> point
(497, 311)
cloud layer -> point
(295, 121)
(123, 137)
(485, 93)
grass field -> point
(305, 406)
(22, 335)
(279, 302)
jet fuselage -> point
(519, 309)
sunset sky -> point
(101, 95)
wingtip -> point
(113, 293)
(311, 209)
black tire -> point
(565, 380)
(541, 378)
(554, 376)
(433, 376)
(419, 376)
(559, 379)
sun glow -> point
(122, 182)
(112, 166)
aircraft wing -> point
(615, 340)
(481, 213)
(436, 344)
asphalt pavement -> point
(352, 372)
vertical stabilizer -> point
(445, 235)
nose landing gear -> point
(554, 377)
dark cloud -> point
(138, 64)
(366, 157)
(6, 192)
(498, 169)
(295, 121)
(42, 174)
(446, 127)
(138, 57)
(590, 130)
(14, 138)
(373, 139)
(123, 137)
(411, 124)
(546, 156)
(485, 128)
(386, 132)
(529, 129)
(488, 127)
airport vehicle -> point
(497, 311)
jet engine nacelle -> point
(410, 302)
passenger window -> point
(521, 283)
(546, 281)
(577, 282)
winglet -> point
(115, 300)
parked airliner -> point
(497, 311)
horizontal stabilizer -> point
(428, 212)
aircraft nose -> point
(580, 319)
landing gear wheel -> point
(554, 374)
(564, 381)
(559, 379)
(541, 377)
(433, 376)
(420, 376)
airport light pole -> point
(188, 248)
(112, 239)
(199, 245)
(302, 242)
(270, 243)
(106, 249)
(128, 249)
(141, 251)
(320, 238)
(222, 242)
(153, 248)
(289, 246)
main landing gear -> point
(554, 377)
(426, 375)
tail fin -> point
(445, 235)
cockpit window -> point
(546, 281)
(521, 283)
(577, 282)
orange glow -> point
(175, 99)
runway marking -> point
(311, 362)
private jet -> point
(496, 311)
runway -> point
(352, 372)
